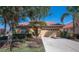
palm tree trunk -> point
(74, 25)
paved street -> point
(60, 45)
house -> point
(52, 30)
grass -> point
(29, 49)
(23, 49)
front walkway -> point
(60, 45)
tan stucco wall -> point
(43, 33)
(52, 33)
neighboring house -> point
(68, 30)
(77, 27)
(68, 27)
(1, 30)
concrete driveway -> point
(60, 45)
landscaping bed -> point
(34, 45)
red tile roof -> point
(50, 23)
(68, 26)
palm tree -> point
(74, 12)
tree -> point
(41, 23)
(11, 14)
(37, 13)
(74, 11)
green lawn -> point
(41, 49)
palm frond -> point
(63, 16)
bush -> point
(64, 34)
(3, 40)
(19, 36)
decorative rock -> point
(33, 44)
(16, 44)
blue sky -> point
(57, 12)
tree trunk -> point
(74, 25)
(5, 26)
(11, 37)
